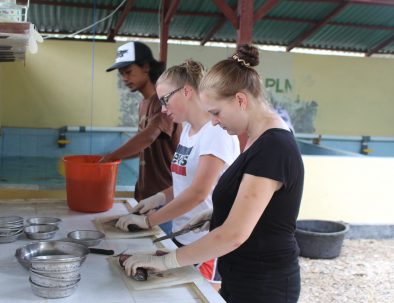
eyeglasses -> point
(164, 100)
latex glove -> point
(154, 263)
(149, 203)
(204, 215)
(141, 221)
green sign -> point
(278, 85)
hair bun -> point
(249, 54)
(193, 66)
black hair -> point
(156, 68)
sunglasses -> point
(164, 100)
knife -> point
(101, 251)
(182, 231)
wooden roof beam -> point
(164, 30)
(188, 13)
(120, 21)
(227, 12)
(221, 22)
(264, 10)
(372, 2)
(171, 11)
(367, 2)
(366, 26)
(112, 7)
(344, 24)
(318, 26)
(380, 46)
(214, 30)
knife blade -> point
(182, 231)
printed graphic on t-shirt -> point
(179, 161)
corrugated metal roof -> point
(346, 38)
(359, 26)
(313, 11)
(278, 32)
(367, 14)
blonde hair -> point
(235, 74)
(189, 72)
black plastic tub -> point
(320, 239)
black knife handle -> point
(100, 251)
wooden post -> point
(164, 27)
(246, 21)
(166, 14)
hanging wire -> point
(94, 24)
(92, 81)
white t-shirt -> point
(209, 140)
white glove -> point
(204, 215)
(149, 203)
(155, 263)
(141, 221)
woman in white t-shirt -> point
(204, 152)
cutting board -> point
(111, 232)
(171, 277)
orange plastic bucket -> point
(90, 185)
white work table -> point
(100, 283)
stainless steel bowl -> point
(41, 232)
(25, 253)
(53, 292)
(11, 227)
(43, 220)
(11, 237)
(56, 263)
(10, 231)
(52, 282)
(86, 237)
(10, 221)
(70, 274)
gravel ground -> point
(364, 272)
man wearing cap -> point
(158, 135)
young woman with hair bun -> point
(204, 152)
(256, 200)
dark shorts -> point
(258, 284)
